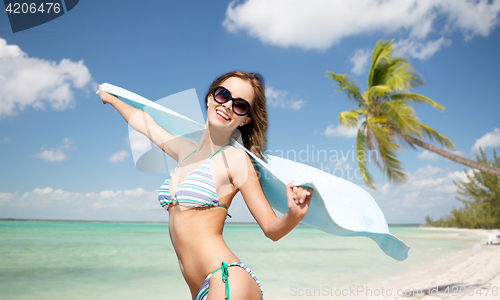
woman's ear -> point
(246, 121)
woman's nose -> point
(228, 105)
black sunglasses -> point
(221, 95)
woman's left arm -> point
(298, 199)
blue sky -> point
(66, 156)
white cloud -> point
(420, 49)
(428, 191)
(6, 197)
(412, 47)
(340, 130)
(319, 24)
(27, 81)
(118, 156)
(278, 98)
(58, 154)
(472, 17)
(427, 155)
(426, 171)
(360, 60)
(66, 203)
(52, 155)
(491, 139)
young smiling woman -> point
(200, 190)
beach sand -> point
(468, 274)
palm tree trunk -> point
(456, 158)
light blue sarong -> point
(338, 206)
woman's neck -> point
(214, 137)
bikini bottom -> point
(203, 291)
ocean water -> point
(86, 260)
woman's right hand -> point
(298, 198)
(106, 97)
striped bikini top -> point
(196, 190)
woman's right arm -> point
(143, 123)
(247, 181)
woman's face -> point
(223, 114)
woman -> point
(198, 195)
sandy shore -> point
(469, 274)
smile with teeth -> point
(223, 115)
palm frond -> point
(379, 122)
(362, 158)
(417, 98)
(387, 146)
(370, 144)
(347, 86)
(380, 54)
(393, 168)
(402, 116)
(434, 135)
(350, 118)
(384, 69)
(380, 91)
(400, 76)
(391, 70)
(369, 138)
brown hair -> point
(254, 132)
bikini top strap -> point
(210, 156)
(228, 174)
(187, 156)
(219, 150)
(227, 167)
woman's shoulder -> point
(232, 150)
(239, 160)
(235, 154)
(240, 165)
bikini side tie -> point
(225, 277)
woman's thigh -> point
(242, 286)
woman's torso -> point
(196, 231)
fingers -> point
(105, 96)
(301, 194)
(296, 194)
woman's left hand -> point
(298, 198)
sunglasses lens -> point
(241, 107)
(222, 95)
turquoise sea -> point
(91, 260)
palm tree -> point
(387, 120)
